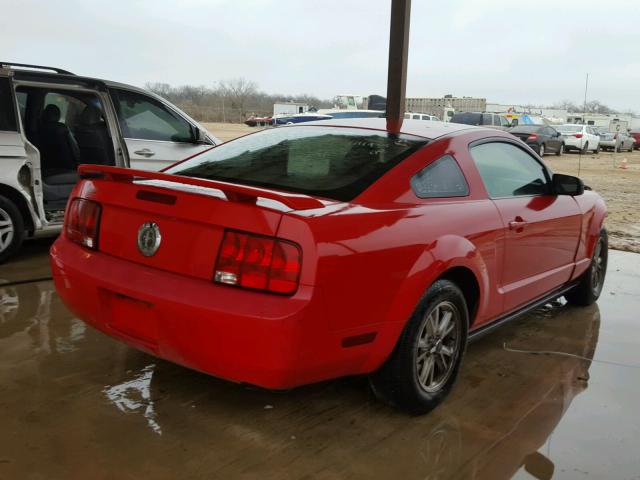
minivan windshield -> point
(333, 162)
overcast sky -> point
(507, 51)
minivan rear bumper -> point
(244, 336)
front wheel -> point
(424, 364)
(11, 228)
(590, 285)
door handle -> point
(145, 152)
(517, 224)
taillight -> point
(532, 138)
(258, 262)
(578, 135)
(82, 222)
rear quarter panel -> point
(374, 259)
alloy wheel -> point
(6, 230)
(438, 346)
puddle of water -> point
(134, 396)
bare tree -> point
(239, 91)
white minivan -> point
(51, 121)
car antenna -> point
(584, 119)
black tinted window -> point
(525, 129)
(337, 163)
(487, 119)
(467, 118)
(441, 178)
(7, 107)
(509, 171)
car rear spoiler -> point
(233, 192)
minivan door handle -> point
(145, 152)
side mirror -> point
(200, 137)
(567, 185)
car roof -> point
(430, 130)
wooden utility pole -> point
(398, 55)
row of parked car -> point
(556, 138)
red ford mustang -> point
(308, 252)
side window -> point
(487, 119)
(142, 117)
(8, 121)
(441, 178)
(415, 117)
(508, 171)
(503, 121)
(496, 120)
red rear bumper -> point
(258, 338)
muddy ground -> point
(619, 187)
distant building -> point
(459, 104)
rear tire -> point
(597, 149)
(560, 150)
(590, 285)
(585, 148)
(11, 228)
(541, 150)
(424, 365)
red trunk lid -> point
(191, 219)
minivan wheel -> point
(424, 365)
(590, 284)
(11, 228)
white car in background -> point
(420, 116)
(51, 121)
(583, 138)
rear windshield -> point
(526, 129)
(569, 128)
(467, 118)
(336, 163)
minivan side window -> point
(487, 119)
(509, 171)
(143, 117)
(8, 121)
(440, 179)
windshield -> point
(569, 128)
(337, 163)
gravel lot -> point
(619, 187)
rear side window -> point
(7, 107)
(337, 163)
(509, 171)
(441, 178)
